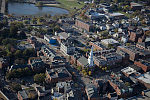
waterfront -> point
(21, 9)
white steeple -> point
(90, 59)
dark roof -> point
(145, 44)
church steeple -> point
(90, 59)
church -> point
(84, 62)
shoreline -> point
(46, 5)
(49, 5)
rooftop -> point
(134, 49)
(145, 77)
(109, 41)
(83, 61)
(61, 72)
(144, 62)
(135, 4)
(116, 14)
(128, 70)
(48, 51)
(23, 94)
(63, 35)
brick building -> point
(136, 34)
(57, 75)
(134, 52)
(121, 89)
(84, 25)
(98, 45)
(144, 64)
(108, 59)
(135, 6)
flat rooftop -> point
(109, 41)
(116, 14)
(128, 70)
(145, 77)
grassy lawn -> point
(70, 4)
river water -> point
(24, 9)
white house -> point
(124, 39)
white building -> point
(47, 37)
(128, 71)
(67, 47)
(90, 59)
(108, 42)
(124, 39)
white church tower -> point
(90, 59)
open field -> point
(70, 4)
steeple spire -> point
(90, 59)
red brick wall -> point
(83, 25)
(144, 67)
(95, 46)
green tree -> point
(28, 71)
(34, 20)
(13, 30)
(26, 22)
(105, 68)
(20, 61)
(18, 54)
(90, 73)
(32, 96)
(39, 4)
(15, 87)
(39, 78)
(100, 67)
(19, 72)
(79, 68)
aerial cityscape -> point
(74, 49)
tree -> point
(90, 73)
(13, 30)
(39, 78)
(19, 72)
(116, 30)
(29, 52)
(20, 61)
(32, 95)
(18, 54)
(1, 25)
(39, 4)
(27, 71)
(79, 68)
(128, 44)
(116, 1)
(26, 22)
(34, 20)
(105, 68)
(100, 67)
(15, 87)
